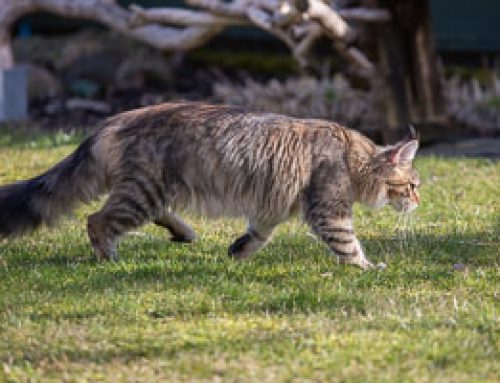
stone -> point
(13, 94)
(381, 266)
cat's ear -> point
(405, 150)
(412, 135)
(402, 153)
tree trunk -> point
(402, 67)
(407, 62)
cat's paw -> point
(365, 264)
(360, 262)
(181, 238)
(240, 248)
(381, 266)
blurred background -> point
(373, 65)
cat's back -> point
(227, 133)
(195, 117)
(172, 117)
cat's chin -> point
(409, 209)
(404, 209)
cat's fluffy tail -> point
(25, 205)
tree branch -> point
(233, 9)
(141, 16)
(173, 29)
(367, 15)
(339, 31)
(106, 12)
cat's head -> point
(395, 181)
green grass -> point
(268, 64)
(187, 313)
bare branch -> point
(264, 20)
(234, 9)
(367, 15)
(355, 55)
(173, 29)
(330, 20)
(341, 33)
(174, 39)
(300, 51)
(176, 16)
(106, 12)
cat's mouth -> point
(410, 208)
(403, 206)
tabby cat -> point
(218, 160)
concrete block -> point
(13, 94)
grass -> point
(267, 64)
(186, 313)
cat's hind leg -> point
(255, 237)
(181, 231)
(113, 220)
(132, 203)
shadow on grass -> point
(470, 249)
(282, 279)
(159, 347)
(270, 284)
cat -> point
(218, 160)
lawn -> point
(187, 313)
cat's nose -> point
(416, 197)
(409, 207)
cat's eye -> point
(397, 185)
(412, 185)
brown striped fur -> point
(218, 161)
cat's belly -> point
(230, 195)
(232, 207)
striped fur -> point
(218, 161)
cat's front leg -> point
(358, 259)
(338, 232)
(328, 209)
